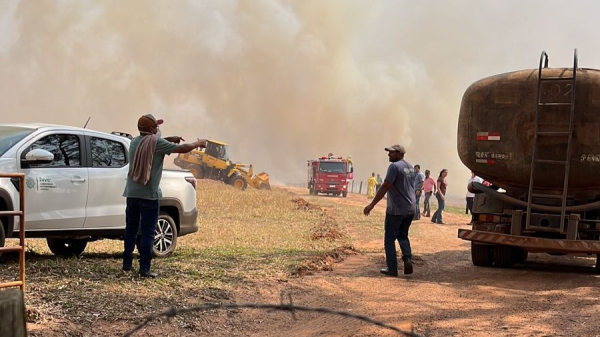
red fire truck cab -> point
(330, 175)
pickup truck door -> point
(56, 193)
(107, 178)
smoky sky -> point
(281, 81)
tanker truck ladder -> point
(535, 160)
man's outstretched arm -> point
(382, 191)
(185, 148)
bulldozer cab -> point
(217, 149)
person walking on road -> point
(420, 177)
(428, 189)
(440, 196)
(471, 196)
(146, 154)
(399, 184)
(371, 183)
(379, 182)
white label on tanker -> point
(493, 155)
(590, 157)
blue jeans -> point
(418, 210)
(396, 228)
(437, 216)
(426, 207)
(142, 212)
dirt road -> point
(446, 295)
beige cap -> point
(396, 147)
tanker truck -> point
(535, 136)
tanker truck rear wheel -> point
(504, 256)
(520, 255)
(481, 255)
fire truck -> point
(329, 175)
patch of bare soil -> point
(305, 205)
(446, 295)
(324, 262)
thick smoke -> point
(281, 81)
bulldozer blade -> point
(261, 181)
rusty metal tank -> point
(496, 128)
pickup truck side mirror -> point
(37, 156)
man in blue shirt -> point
(146, 157)
(399, 184)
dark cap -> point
(148, 121)
(396, 147)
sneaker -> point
(148, 274)
(408, 267)
(388, 272)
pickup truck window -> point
(107, 153)
(64, 147)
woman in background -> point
(440, 195)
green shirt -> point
(151, 190)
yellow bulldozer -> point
(213, 162)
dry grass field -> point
(244, 238)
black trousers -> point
(469, 208)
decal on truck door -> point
(45, 184)
(30, 182)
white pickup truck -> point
(74, 182)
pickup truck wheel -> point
(66, 248)
(481, 255)
(344, 194)
(597, 267)
(165, 236)
(2, 236)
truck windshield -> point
(332, 167)
(10, 135)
